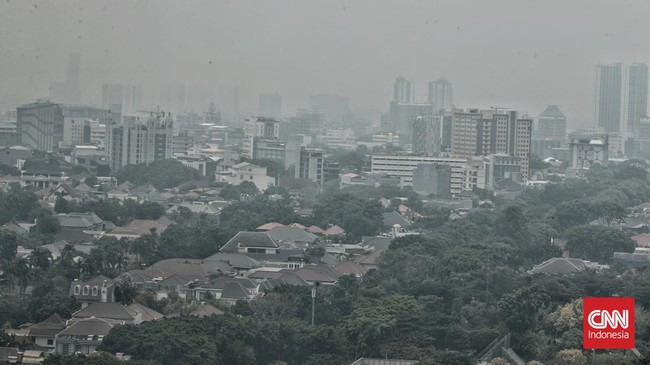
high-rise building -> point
(440, 95)
(476, 133)
(198, 98)
(426, 134)
(403, 167)
(637, 94)
(551, 124)
(78, 131)
(140, 140)
(403, 91)
(258, 128)
(40, 125)
(270, 105)
(311, 165)
(401, 118)
(68, 91)
(609, 79)
(129, 96)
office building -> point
(426, 135)
(439, 95)
(270, 105)
(259, 128)
(609, 80)
(40, 125)
(78, 131)
(212, 116)
(432, 179)
(445, 141)
(402, 167)
(637, 94)
(499, 167)
(551, 124)
(476, 133)
(68, 91)
(140, 140)
(304, 123)
(129, 96)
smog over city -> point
(324, 182)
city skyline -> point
(227, 54)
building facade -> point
(636, 94)
(609, 79)
(402, 166)
(551, 124)
(270, 105)
(40, 125)
(440, 95)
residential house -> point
(269, 226)
(247, 171)
(206, 310)
(115, 313)
(139, 227)
(293, 235)
(392, 218)
(639, 258)
(83, 336)
(99, 289)
(237, 261)
(43, 175)
(229, 290)
(147, 313)
(65, 191)
(43, 333)
(351, 268)
(83, 222)
(57, 248)
(194, 208)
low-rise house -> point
(83, 336)
(292, 234)
(269, 226)
(642, 240)
(139, 227)
(392, 218)
(370, 261)
(43, 333)
(639, 258)
(65, 191)
(195, 208)
(115, 313)
(57, 248)
(206, 310)
(15, 228)
(83, 222)
(147, 313)
(228, 290)
(351, 268)
(334, 230)
(99, 289)
(237, 261)
(246, 171)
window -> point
(66, 349)
(251, 177)
(77, 290)
(94, 291)
(85, 291)
(50, 341)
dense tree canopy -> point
(161, 174)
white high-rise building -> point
(140, 140)
(403, 91)
(266, 128)
(127, 95)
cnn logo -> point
(608, 323)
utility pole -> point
(313, 303)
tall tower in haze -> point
(68, 91)
(440, 95)
(609, 79)
(403, 91)
(270, 105)
(636, 94)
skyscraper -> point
(551, 124)
(172, 98)
(270, 105)
(609, 80)
(426, 135)
(68, 91)
(637, 94)
(403, 91)
(440, 95)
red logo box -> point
(608, 323)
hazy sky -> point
(521, 54)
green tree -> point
(597, 243)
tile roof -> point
(249, 239)
(334, 230)
(48, 327)
(236, 260)
(115, 311)
(269, 226)
(292, 234)
(351, 268)
(391, 218)
(315, 229)
(642, 240)
(139, 227)
(560, 265)
(193, 269)
(147, 313)
(206, 310)
(88, 327)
